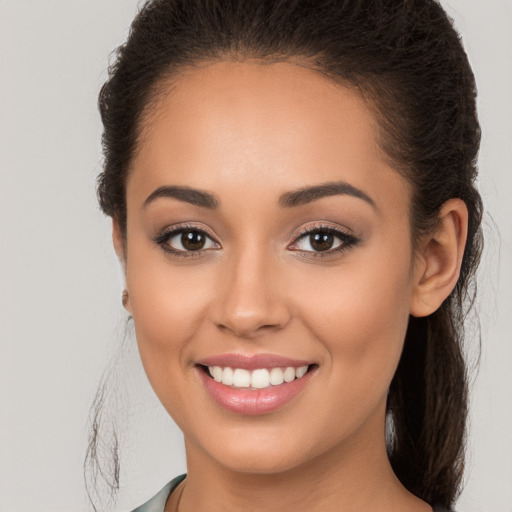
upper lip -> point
(252, 361)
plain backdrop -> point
(60, 286)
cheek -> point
(168, 304)
(360, 312)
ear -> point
(120, 248)
(439, 258)
(118, 240)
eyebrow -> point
(333, 188)
(186, 194)
(291, 199)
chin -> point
(259, 462)
(261, 450)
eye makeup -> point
(324, 240)
(194, 241)
(317, 241)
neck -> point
(353, 478)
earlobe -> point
(440, 259)
(120, 248)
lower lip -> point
(252, 402)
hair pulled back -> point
(407, 61)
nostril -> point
(247, 329)
(248, 314)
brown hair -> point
(407, 60)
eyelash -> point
(347, 240)
(167, 234)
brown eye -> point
(321, 241)
(193, 240)
(183, 241)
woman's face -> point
(266, 231)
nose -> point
(252, 299)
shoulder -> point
(157, 502)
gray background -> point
(60, 285)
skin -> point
(248, 133)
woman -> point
(291, 185)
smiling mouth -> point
(257, 379)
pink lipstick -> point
(255, 384)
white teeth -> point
(276, 376)
(227, 376)
(260, 379)
(217, 373)
(241, 378)
(300, 372)
(289, 374)
(257, 379)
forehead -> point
(272, 127)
